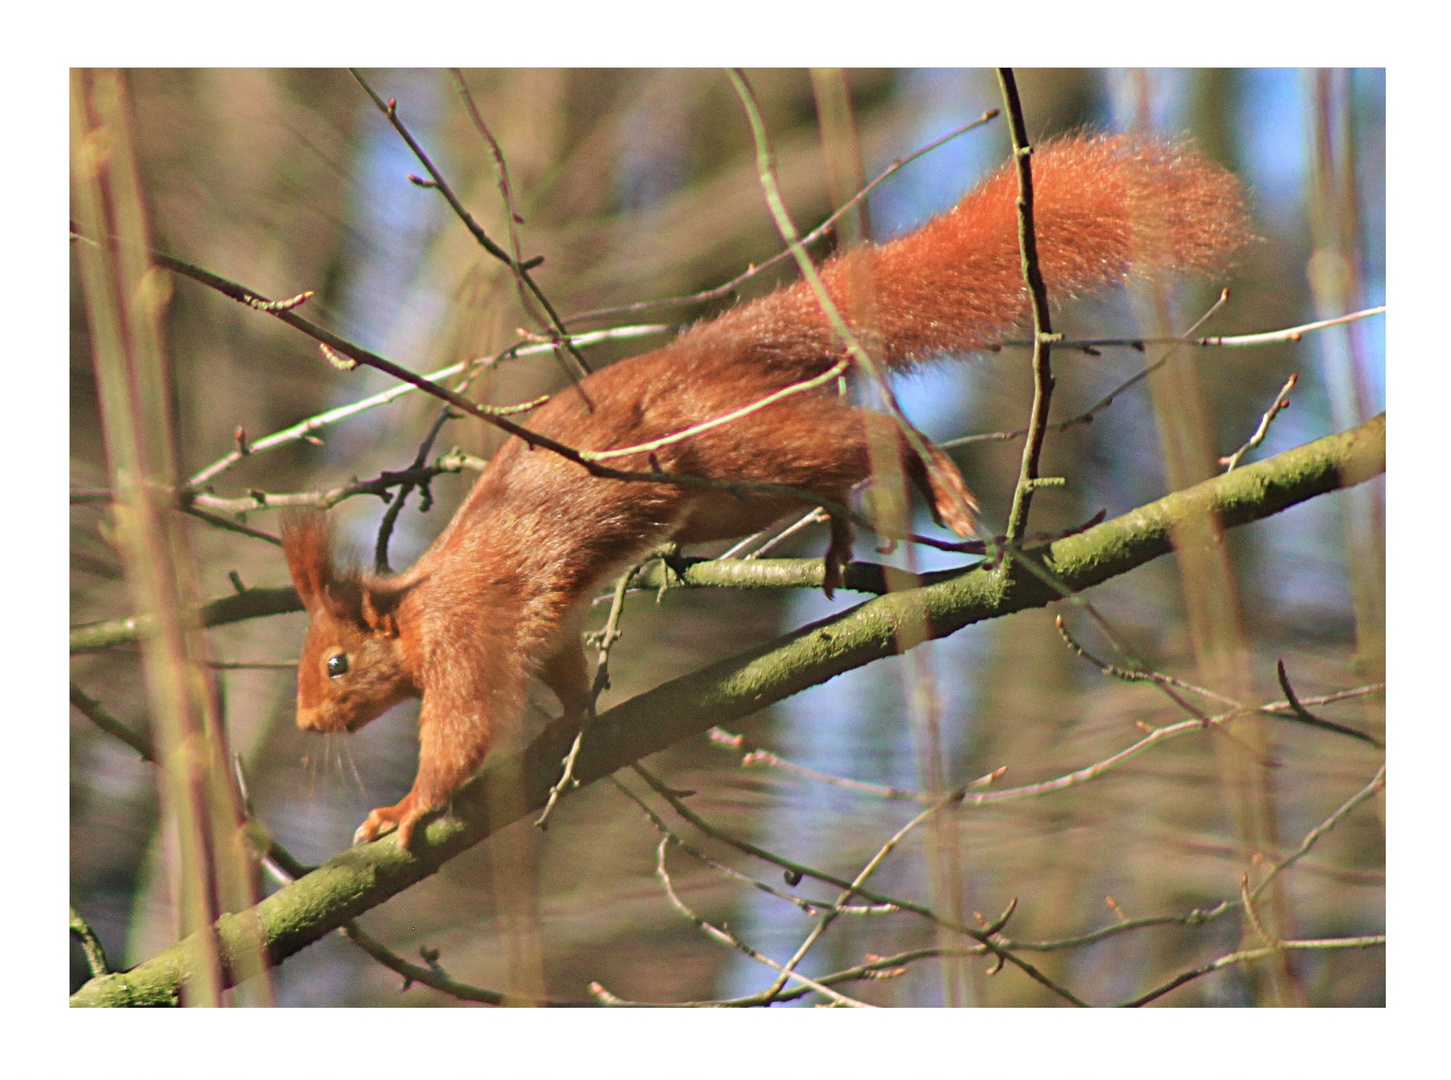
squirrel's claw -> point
(385, 819)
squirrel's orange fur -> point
(501, 594)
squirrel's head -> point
(352, 667)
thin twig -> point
(1294, 333)
(810, 907)
(96, 713)
(1230, 341)
(435, 977)
(608, 636)
(345, 348)
(559, 335)
(869, 894)
(303, 430)
(827, 376)
(1377, 783)
(1281, 402)
(1134, 675)
(390, 516)
(1305, 717)
(95, 955)
(1369, 941)
(807, 240)
(1042, 319)
(766, 168)
(230, 526)
(725, 936)
(1204, 915)
(965, 796)
(882, 967)
(811, 517)
(828, 917)
(1086, 417)
(1247, 903)
(721, 737)
(523, 283)
(380, 485)
(1158, 735)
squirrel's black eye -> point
(337, 665)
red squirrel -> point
(501, 594)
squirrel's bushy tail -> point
(1107, 208)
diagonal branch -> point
(364, 877)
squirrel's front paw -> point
(376, 825)
(404, 816)
(385, 819)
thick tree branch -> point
(363, 877)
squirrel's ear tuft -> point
(307, 543)
(379, 605)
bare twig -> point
(827, 376)
(608, 636)
(1228, 341)
(810, 907)
(1281, 402)
(1203, 915)
(806, 241)
(857, 353)
(434, 976)
(380, 485)
(96, 713)
(811, 517)
(523, 283)
(1293, 333)
(1042, 320)
(828, 917)
(304, 430)
(1377, 783)
(230, 526)
(1091, 346)
(881, 791)
(390, 516)
(869, 894)
(1156, 736)
(725, 936)
(881, 967)
(95, 955)
(966, 796)
(1135, 675)
(558, 334)
(345, 348)
(1305, 717)
(1086, 417)
(1369, 941)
